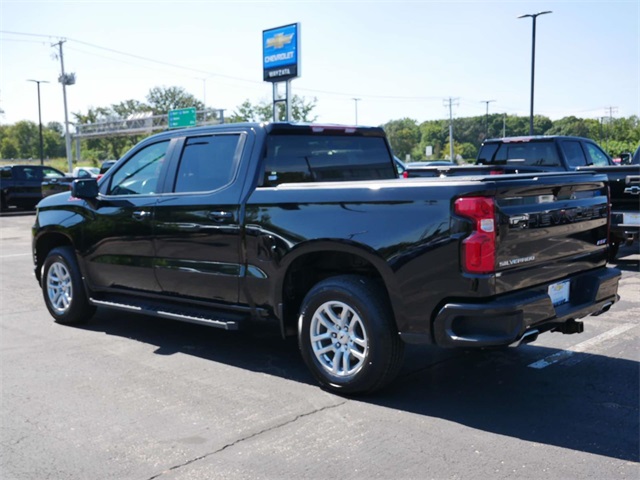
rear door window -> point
(326, 158)
(207, 163)
(574, 154)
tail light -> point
(405, 174)
(478, 249)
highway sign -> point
(182, 117)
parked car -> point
(21, 185)
(431, 163)
(86, 172)
(308, 228)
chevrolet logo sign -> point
(279, 40)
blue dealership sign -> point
(281, 53)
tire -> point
(347, 336)
(63, 289)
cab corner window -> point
(140, 173)
(207, 163)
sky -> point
(401, 59)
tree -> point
(163, 99)
(245, 112)
(403, 135)
(301, 111)
(9, 148)
(53, 143)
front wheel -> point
(347, 336)
(62, 288)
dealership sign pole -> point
(281, 61)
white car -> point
(86, 172)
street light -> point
(533, 60)
(486, 118)
(40, 119)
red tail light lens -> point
(405, 174)
(479, 249)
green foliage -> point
(301, 111)
(403, 135)
(616, 135)
(22, 140)
(163, 99)
(9, 148)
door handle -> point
(220, 216)
(141, 214)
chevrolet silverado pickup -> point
(559, 154)
(21, 185)
(309, 228)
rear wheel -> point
(62, 288)
(347, 336)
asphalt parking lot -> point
(134, 397)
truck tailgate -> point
(549, 230)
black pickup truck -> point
(559, 154)
(21, 185)
(308, 227)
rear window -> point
(326, 158)
(527, 153)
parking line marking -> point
(15, 255)
(581, 347)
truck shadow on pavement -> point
(588, 404)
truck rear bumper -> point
(625, 225)
(512, 318)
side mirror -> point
(86, 189)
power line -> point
(213, 74)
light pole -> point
(533, 60)
(40, 119)
(486, 118)
(356, 100)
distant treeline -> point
(408, 137)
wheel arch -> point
(311, 262)
(44, 243)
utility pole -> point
(356, 100)
(40, 120)
(504, 125)
(451, 102)
(611, 110)
(486, 118)
(65, 80)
